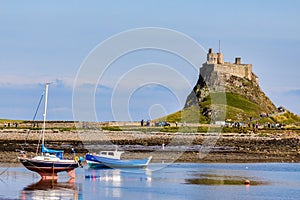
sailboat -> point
(50, 161)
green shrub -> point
(111, 128)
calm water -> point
(177, 181)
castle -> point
(215, 65)
(237, 81)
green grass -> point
(287, 118)
(239, 102)
(234, 103)
(151, 129)
(236, 107)
(189, 115)
(2, 121)
(111, 128)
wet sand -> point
(280, 146)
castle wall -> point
(206, 70)
(239, 70)
(215, 65)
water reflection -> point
(52, 189)
(220, 179)
(111, 182)
(177, 181)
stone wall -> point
(239, 70)
(215, 65)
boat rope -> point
(38, 145)
(33, 120)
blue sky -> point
(48, 42)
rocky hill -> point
(226, 92)
(239, 98)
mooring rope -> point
(33, 120)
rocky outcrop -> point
(217, 78)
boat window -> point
(103, 153)
(111, 153)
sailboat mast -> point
(45, 113)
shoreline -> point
(281, 146)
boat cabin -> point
(111, 154)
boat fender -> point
(76, 158)
(81, 159)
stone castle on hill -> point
(215, 64)
(236, 78)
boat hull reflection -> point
(52, 189)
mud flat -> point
(280, 146)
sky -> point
(53, 41)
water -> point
(177, 181)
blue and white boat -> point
(50, 163)
(112, 159)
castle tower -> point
(214, 58)
(238, 61)
(220, 58)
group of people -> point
(254, 125)
(15, 124)
(147, 123)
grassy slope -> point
(2, 121)
(237, 109)
(286, 118)
(190, 115)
